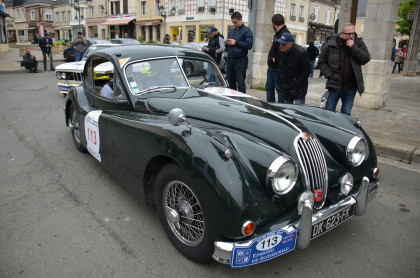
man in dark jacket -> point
(273, 82)
(167, 39)
(215, 49)
(239, 41)
(29, 61)
(313, 52)
(340, 62)
(294, 70)
(45, 43)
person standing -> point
(167, 39)
(313, 52)
(126, 36)
(45, 43)
(294, 69)
(80, 46)
(398, 57)
(175, 42)
(273, 82)
(239, 41)
(404, 51)
(215, 49)
(340, 61)
(30, 62)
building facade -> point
(149, 25)
(3, 37)
(322, 16)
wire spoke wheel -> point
(183, 213)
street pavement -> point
(394, 129)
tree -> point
(404, 25)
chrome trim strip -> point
(331, 210)
(362, 197)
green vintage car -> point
(233, 178)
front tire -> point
(74, 128)
(181, 214)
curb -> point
(402, 152)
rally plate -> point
(333, 221)
(264, 248)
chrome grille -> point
(314, 166)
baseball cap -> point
(80, 33)
(285, 38)
(47, 34)
(212, 29)
(167, 35)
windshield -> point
(144, 75)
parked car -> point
(199, 46)
(125, 41)
(233, 178)
(70, 74)
(68, 53)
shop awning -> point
(49, 29)
(147, 23)
(64, 27)
(124, 21)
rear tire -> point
(181, 214)
(74, 128)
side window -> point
(118, 89)
(103, 73)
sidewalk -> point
(10, 60)
(395, 129)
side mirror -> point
(177, 116)
(324, 98)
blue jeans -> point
(297, 101)
(399, 67)
(347, 99)
(236, 71)
(78, 56)
(273, 84)
(312, 63)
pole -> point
(78, 10)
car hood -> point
(268, 123)
(73, 66)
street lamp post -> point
(76, 5)
(163, 14)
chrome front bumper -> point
(367, 191)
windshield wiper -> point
(157, 88)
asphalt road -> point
(63, 215)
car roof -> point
(146, 51)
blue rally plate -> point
(264, 248)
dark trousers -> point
(44, 57)
(31, 65)
(236, 71)
(347, 99)
(273, 84)
(399, 67)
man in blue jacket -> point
(45, 43)
(239, 41)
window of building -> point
(23, 14)
(301, 18)
(171, 4)
(32, 12)
(328, 18)
(316, 13)
(292, 11)
(63, 16)
(143, 8)
(101, 11)
(69, 15)
(157, 5)
(48, 15)
(57, 17)
(200, 5)
(92, 12)
(181, 7)
(18, 14)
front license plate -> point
(64, 88)
(332, 221)
(264, 248)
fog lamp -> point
(346, 183)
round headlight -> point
(58, 75)
(346, 183)
(356, 151)
(283, 174)
(63, 75)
